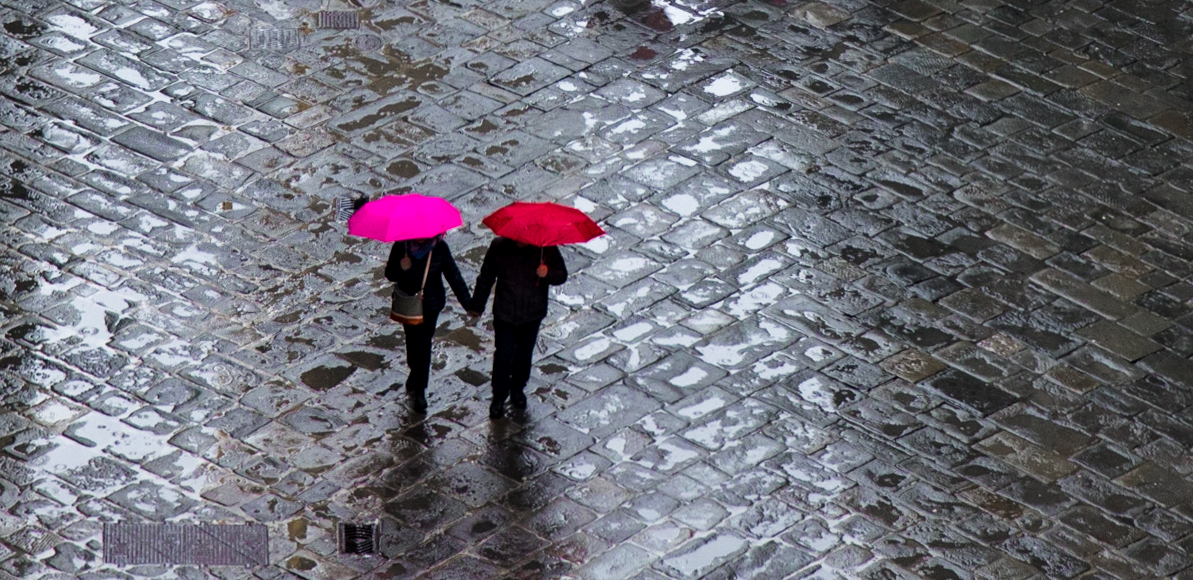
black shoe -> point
(418, 402)
(496, 409)
(518, 400)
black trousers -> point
(418, 352)
(513, 352)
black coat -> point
(520, 296)
(442, 266)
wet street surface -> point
(891, 289)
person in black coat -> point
(406, 265)
(522, 273)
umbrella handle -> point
(542, 262)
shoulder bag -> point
(406, 308)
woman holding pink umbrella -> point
(418, 262)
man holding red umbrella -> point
(524, 263)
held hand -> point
(541, 271)
(406, 263)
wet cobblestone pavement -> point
(892, 289)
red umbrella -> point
(543, 224)
(404, 217)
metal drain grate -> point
(180, 544)
(275, 39)
(346, 206)
(339, 19)
(360, 539)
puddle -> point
(325, 378)
(366, 360)
(14, 190)
(23, 30)
(301, 564)
(297, 529)
(403, 169)
(472, 377)
(644, 53)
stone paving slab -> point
(891, 289)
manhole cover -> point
(368, 42)
(358, 538)
(339, 19)
(186, 544)
(275, 39)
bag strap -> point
(426, 271)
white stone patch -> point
(678, 114)
(132, 77)
(633, 332)
(592, 349)
(680, 338)
(138, 342)
(62, 44)
(102, 228)
(78, 78)
(72, 25)
(149, 222)
(578, 471)
(682, 204)
(617, 444)
(819, 353)
(756, 299)
(708, 142)
(760, 240)
(54, 412)
(635, 96)
(618, 308)
(652, 427)
(815, 391)
(677, 16)
(702, 408)
(628, 265)
(84, 248)
(561, 11)
(92, 326)
(748, 171)
(773, 371)
(629, 126)
(599, 245)
(724, 86)
(727, 355)
(690, 377)
(122, 260)
(276, 8)
(685, 59)
(763, 268)
(674, 455)
(140, 244)
(691, 564)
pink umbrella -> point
(404, 217)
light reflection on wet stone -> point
(888, 291)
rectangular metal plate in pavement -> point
(339, 19)
(195, 544)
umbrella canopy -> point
(543, 224)
(404, 217)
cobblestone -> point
(890, 289)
